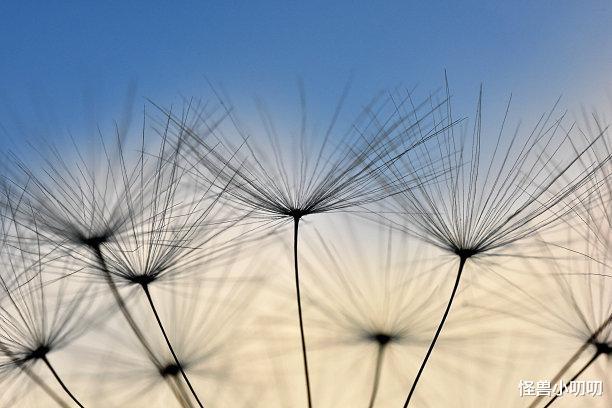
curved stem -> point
(563, 370)
(59, 380)
(176, 360)
(296, 223)
(575, 357)
(438, 330)
(181, 388)
(179, 392)
(123, 308)
(575, 376)
(52, 394)
(121, 303)
(379, 361)
(174, 356)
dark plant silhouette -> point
(382, 298)
(576, 303)
(126, 219)
(37, 318)
(213, 310)
(139, 258)
(324, 174)
(484, 206)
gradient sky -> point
(72, 60)
(69, 64)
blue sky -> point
(75, 60)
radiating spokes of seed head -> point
(500, 185)
(280, 173)
(207, 323)
(39, 313)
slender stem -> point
(52, 394)
(44, 386)
(566, 367)
(176, 360)
(296, 223)
(575, 357)
(181, 389)
(576, 376)
(123, 308)
(179, 392)
(121, 303)
(438, 330)
(59, 380)
(379, 361)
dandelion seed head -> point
(465, 253)
(39, 353)
(382, 338)
(144, 279)
(92, 240)
(170, 370)
(322, 172)
(602, 348)
(489, 197)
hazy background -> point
(70, 66)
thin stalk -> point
(296, 223)
(575, 357)
(183, 392)
(179, 392)
(169, 344)
(576, 376)
(566, 367)
(59, 380)
(52, 394)
(121, 303)
(122, 306)
(379, 361)
(438, 330)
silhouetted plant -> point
(175, 230)
(383, 296)
(327, 173)
(577, 302)
(570, 300)
(129, 215)
(483, 207)
(37, 318)
(206, 321)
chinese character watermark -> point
(576, 388)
